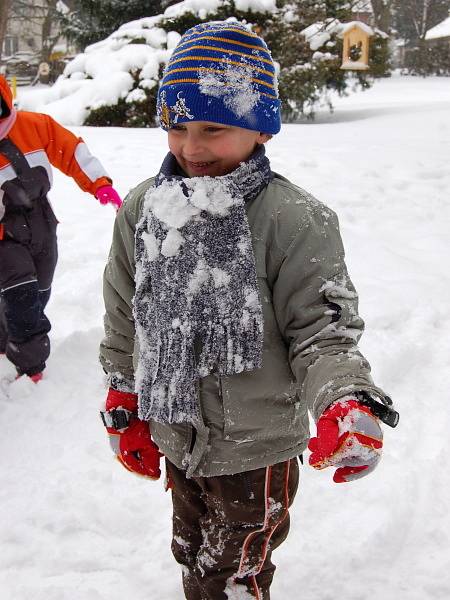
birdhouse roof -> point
(441, 30)
(348, 26)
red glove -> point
(108, 195)
(349, 437)
(133, 444)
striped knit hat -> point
(223, 73)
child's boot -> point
(36, 378)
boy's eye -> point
(212, 129)
(178, 128)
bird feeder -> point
(355, 54)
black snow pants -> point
(28, 256)
(225, 528)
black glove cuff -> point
(383, 411)
(117, 418)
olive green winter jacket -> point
(311, 330)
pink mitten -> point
(108, 195)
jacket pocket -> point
(262, 416)
(264, 403)
(49, 215)
(17, 228)
(271, 330)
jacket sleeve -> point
(317, 311)
(117, 347)
(70, 155)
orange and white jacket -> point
(44, 143)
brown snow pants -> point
(225, 528)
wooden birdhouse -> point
(355, 53)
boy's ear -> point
(263, 138)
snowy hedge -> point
(114, 82)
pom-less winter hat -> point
(224, 73)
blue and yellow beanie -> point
(223, 73)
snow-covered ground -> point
(75, 526)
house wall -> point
(24, 32)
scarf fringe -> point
(230, 349)
(162, 398)
(226, 349)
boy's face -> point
(205, 148)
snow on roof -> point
(101, 75)
(441, 30)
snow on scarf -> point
(197, 307)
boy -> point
(29, 142)
(231, 280)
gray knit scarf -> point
(197, 308)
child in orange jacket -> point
(29, 144)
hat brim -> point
(182, 103)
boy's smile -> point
(205, 148)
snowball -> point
(169, 204)
(172, 243)
(211, 194)
(151, 245)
